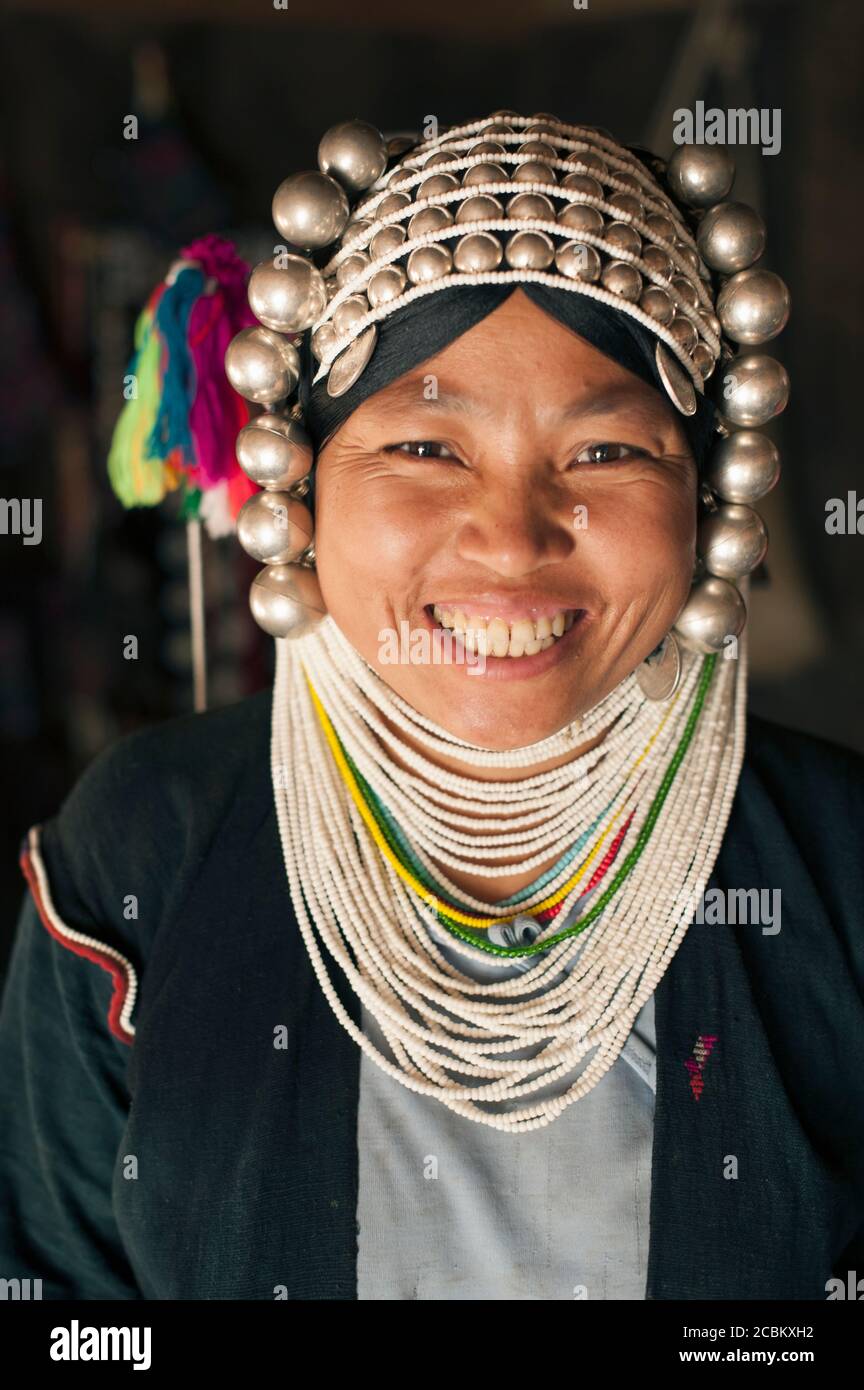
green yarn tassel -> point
(139, 480)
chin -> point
(493, 714)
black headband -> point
(427, 325)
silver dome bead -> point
(484, 173)
(534, 172)
(353, 265)
(619, 277)
(753, 306)
(529, 251)
(394, 202)
(657, 303)
(583, 183)
(490, 147)
(579, 217)
(310, 209)
(684, 292)
(397, 176)
(534, 205)
(399, 145)
(731, 237)
(355, 229)
(437, 184)
(274, 528)
(387, 240)
(589, 161)
(755, 389)
(274, 451)
(658, 261)
(713, 613)
(661, 226)
(386, 284)
(435, 161)
(743, 467)
(429, 220)
(630, 181)
(353, 152)
(349, 313)
(700, 175)
(688, 256)
(540, 149)
(732, 541)
(427, 263)
(287, 297)
(261, 366)
(683, 332)
(703, 358)
(623, 237)
(322, 340)
(478, 207)
(477, 251)
(627, 204)
(286, 600)
(578, 261)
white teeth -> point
(499, 637)
(521, 632)
(523, 637)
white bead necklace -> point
(504, 1053)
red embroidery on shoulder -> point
(117, 966)
(702, 1050)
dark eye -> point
(609, 453)
(420, 449)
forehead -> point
(520, 353)
(438, 388)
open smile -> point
(511, 646)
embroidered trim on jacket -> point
(118, 967)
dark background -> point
(233, 97)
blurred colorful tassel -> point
(218, 413)
(136, 476)
(171, 428)
(181, 425)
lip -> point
(522, 668)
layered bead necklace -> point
(370, 827)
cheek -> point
(649, 544)
(371, 536)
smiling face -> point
(526, 490)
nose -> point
(514, 529)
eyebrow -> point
(409, 392)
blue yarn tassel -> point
(171, 430)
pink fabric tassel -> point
(218, 413)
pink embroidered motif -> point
(702, 1050)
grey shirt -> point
(449, 1209)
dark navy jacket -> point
(193, 1159)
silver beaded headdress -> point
(521, 199)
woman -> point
(416, 990)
